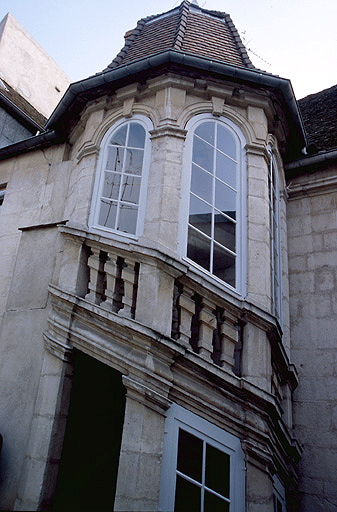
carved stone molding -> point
(146, 396)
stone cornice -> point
(312, 187)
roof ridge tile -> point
(238, 41)
(179, 37)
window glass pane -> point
(200, 215)
(226, 169)
(214, 504)
(217, 470)
(225, 141)
(134, 161)
(107, 214)
(202, 184)
(224, 265)
(199, 248)
(136, 136)
(130, 189)
(127, 218)
(119, 136)
(190, 455)
(225, 199)
(115, 159)
(187, 496)
(111, 185)
(206, 131)
(224, 231)
(203, 154)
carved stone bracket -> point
(146, 396)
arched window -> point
(120, 189)
(274, 231)
(214, 158)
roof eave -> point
(145, 64)
(310, 163)
(40, 141)
(19, 114)
(57, 125)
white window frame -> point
(178, 417)
(241, 206)
(2, 195)
(279, 494)
(99, 180)
(275, 237)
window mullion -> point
(213, 198)
(203, 476)
(122, 176)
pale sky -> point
(297, 39)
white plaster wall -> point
(35, 194)
(27, 67)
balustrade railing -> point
(205, 326)
(113, 282)
(198, 323)
(162, 294)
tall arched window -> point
(274, 231)
(214, 157)
(120, 189)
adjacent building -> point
(168, 248)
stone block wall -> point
(312, 243)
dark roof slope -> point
(187, 28)
(319, 113)
(9, 97)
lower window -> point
(279, 496)
(203, 466)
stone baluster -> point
(186, 308)
(129, 278)
(229, 337)
(207, 320)
(96, 268)
(111, 271)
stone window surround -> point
(178, 416)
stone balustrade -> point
(113, 281)
(206, 326)
(162, 294)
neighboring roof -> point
(187, 28)
(20, 107)
(319, 113)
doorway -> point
(88, 469)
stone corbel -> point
(56, 348)
(146, 396)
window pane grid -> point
(274, 239)
(203, 487)
(214, 147)
(121, 184)
(217, 223)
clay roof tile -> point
(187, 28)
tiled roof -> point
(23, 105)
(187, 28)
(319, 113)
